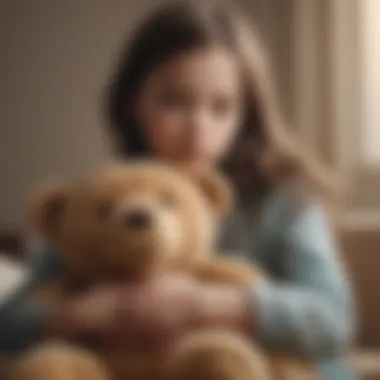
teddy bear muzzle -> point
(148, 233)
(138, 219)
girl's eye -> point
(104, 211)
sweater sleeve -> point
(20, 323)
(309, 309)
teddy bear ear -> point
(47, 207)
(216, 189)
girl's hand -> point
(152, 313)
(92, 312)
(95, 310)
(156, 312)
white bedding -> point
(11, 275)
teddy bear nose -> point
(138, 219)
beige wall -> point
(55, 60)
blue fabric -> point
(307, 307)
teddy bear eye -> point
(104, 211)
(167, 200)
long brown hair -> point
(264, 149)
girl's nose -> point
(197, 126)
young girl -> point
(193, 87)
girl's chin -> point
(193, 160)
(197, 162)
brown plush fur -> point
(128, 220)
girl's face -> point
(190, 107)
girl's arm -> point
(310, 309)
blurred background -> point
(56, 57)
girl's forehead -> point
(212, 66)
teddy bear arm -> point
(228, 271)
(285, 367)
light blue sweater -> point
(307, 308)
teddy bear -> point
(127, 220)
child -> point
(193, 87)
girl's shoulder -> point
(286, 202)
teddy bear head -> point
(132, 217)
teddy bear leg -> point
(216, 355)
(58, 362)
